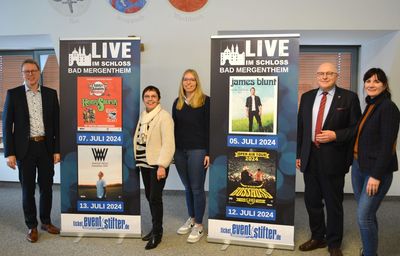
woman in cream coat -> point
(154, 148)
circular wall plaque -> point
(70, 8)
(128, 6)
(188, 5)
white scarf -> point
(144, 121)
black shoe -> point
(335, 252)
(153, 242)
(148, 236)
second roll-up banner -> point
(253, 126)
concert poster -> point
(253, 102)
(251, 177)
(99, 103)
(100, 163)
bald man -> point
(326, 125)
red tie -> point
(320, 117)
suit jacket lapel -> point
(308, 112)
(24, 102)
(309, 107)
(336, 99)
(45, 104)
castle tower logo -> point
(232, 56)
(80, 57)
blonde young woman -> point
(191, 114)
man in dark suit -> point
(326, 125)
(31, 141)
(254, 109)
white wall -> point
(175, 41)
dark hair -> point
(30, 61)
(380, 74)
(252, 88)
(151, 88)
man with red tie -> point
(326, 124)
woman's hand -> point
(206, 162)
(372, 186)
(161, 173)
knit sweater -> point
(160, 145)
(192, 126)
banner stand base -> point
(120, 240)
(78, 239)
(226, 244)
(81, 235)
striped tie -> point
(320, 117)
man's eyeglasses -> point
(328, 74)
(29, 72)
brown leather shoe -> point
(335, 252)
(312, 244)
(50, 228)
(32, 235)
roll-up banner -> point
(100, 97)
(254, 82)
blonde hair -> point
(198, 98)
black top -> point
(192, 126)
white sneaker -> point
(196, 234)
(186, 227)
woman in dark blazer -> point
(375, 157)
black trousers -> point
(321, 188)
(258, 118)
(153, 190)
(36, 159)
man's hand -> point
(206, 162)
(56, 158)
(12, 162)
(298, 163)
(326, 136)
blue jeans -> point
(368, 206)
(190, 166)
